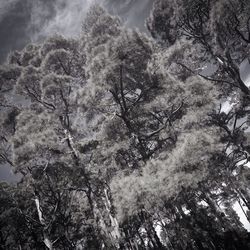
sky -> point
(26, 21)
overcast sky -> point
(25, 21)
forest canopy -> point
(121, 138)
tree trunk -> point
(46, 239)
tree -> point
(118, 147)
(219, 28)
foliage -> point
(120, 139)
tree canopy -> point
(121, 138)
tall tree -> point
(120, 144)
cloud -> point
(62, 16)
(133, 12)
(14, 18)
(68, 15)
(5, 6)
(25, 21)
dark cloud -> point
(13, 23)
